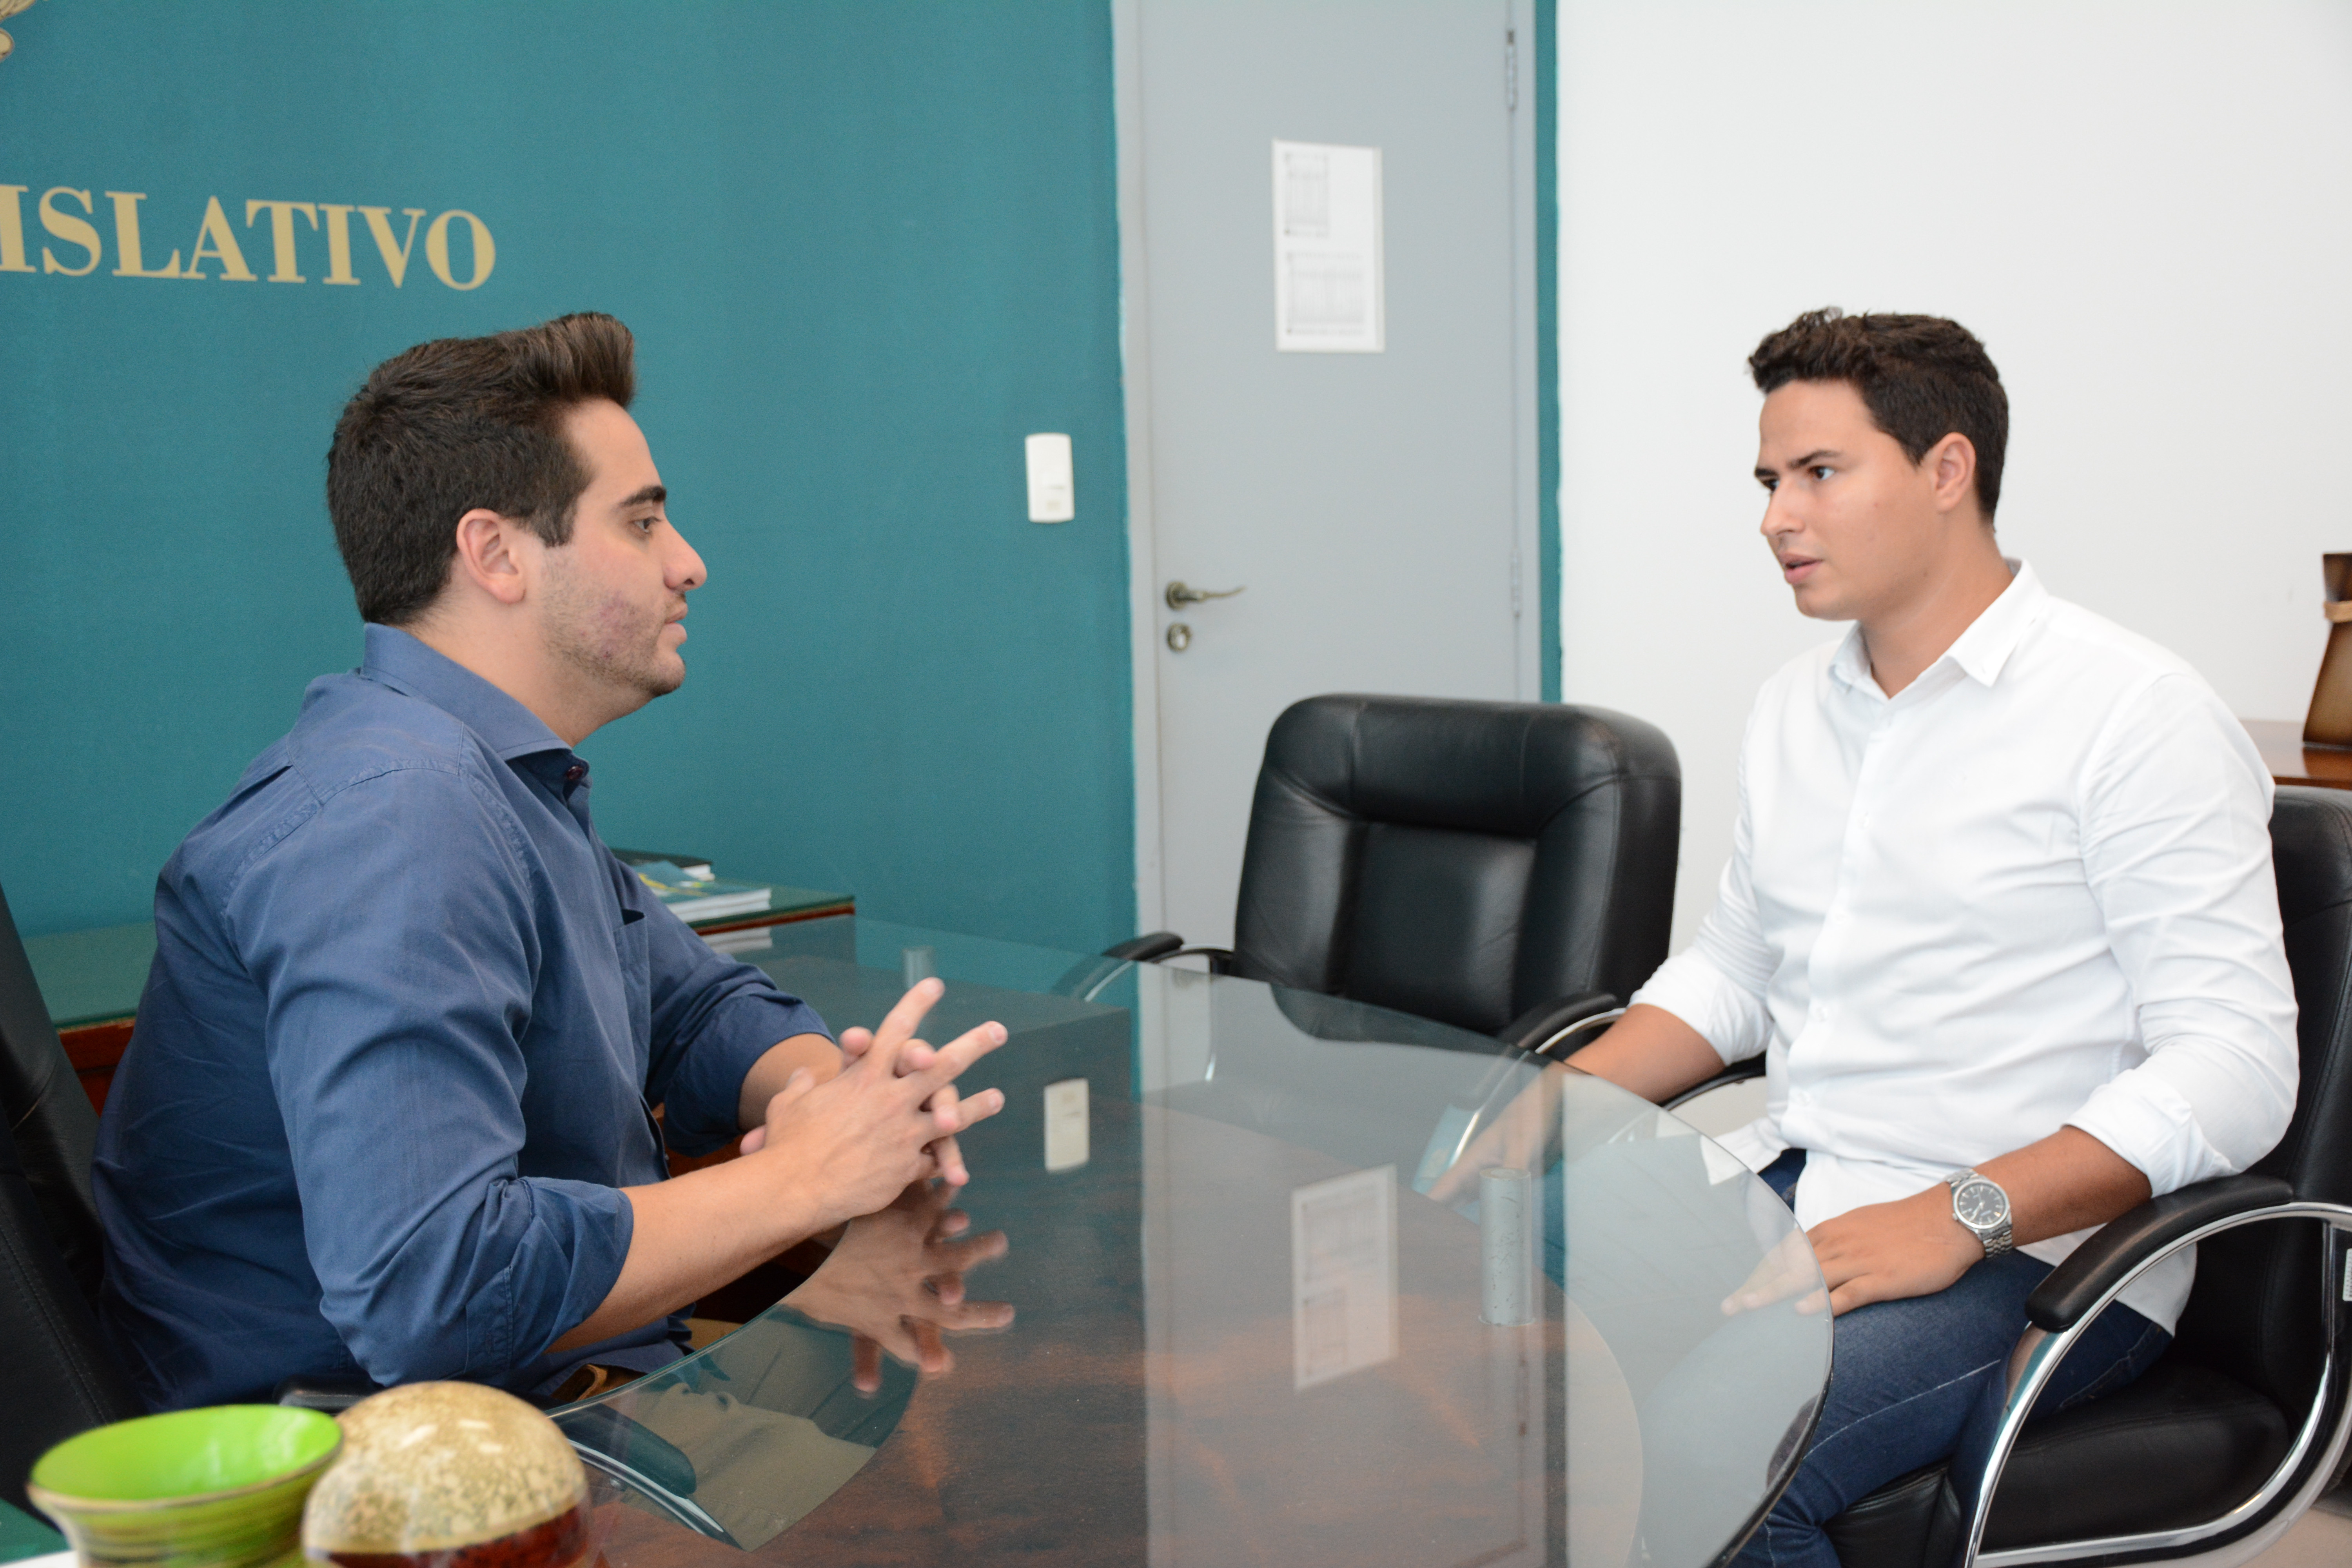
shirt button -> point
(575, 773)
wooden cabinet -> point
(2290, 761)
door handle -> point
(1179, 595)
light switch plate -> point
(1066, 1124)
(1053, 494)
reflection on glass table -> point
(1243, 1332)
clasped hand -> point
(889, 1119)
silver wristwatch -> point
(1979, 1204)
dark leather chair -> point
(58, 1377)
(55, 1129)
(2215, 1451)
(1502, 866)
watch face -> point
(1980, 1205)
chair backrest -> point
(57, 1376)
(2251, 1313)
(1462, 861)
(48, 1115)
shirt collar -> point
(396, 659)
(1849, 665)
(1994, 634)
(1983, 649)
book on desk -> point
(704, 898)
(90, 980)
(733, 917)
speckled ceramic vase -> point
(220, 1488)
(449, 1475)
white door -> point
(1376, 509)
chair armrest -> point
(1144, 949)
(1555, 1028)
(1737, 1072)
(1086, 977)
(2154, 1228)
(660, 1473)
(643, 1451)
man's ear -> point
(1951, 467)
(492, 553)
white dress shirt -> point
(2032, 890)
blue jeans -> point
(1908, 1377)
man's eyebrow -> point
(654, 494)
(1819, 455)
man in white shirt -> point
(1999, 916)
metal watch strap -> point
(1998, 1239)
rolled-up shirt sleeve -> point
(713, 1017)
(393, 1043)
(2177, 849)
(1717, 985)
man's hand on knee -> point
(1889, 1252)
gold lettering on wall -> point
(339, 243)
(215, 233)
(12, 230)
(281, 235)
(437, 249)
(128, 261)
(216, 238)
(69, 229)
(395, 257)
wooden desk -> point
(2280, 741)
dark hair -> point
(458, 423)
(1922, 378)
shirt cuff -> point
(590, 1227)
(548, 1251)
(2150, 1123)
(1727, 1014)
(705, 1098)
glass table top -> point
(1245, 1330)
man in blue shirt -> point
(388, 1113)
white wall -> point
(2144, 209)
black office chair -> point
(2216, 1451)
(57, 1377)
(1502, 866)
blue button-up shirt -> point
(398, 1054)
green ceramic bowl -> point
(222, 1488)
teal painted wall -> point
(865, 248)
